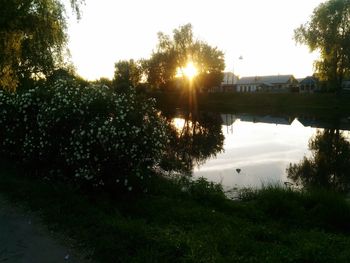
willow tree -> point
(328, 32)
(174, 52)
(32, 38)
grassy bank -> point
(323, 105)
(184, 222)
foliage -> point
(313, 206)
(103, 81)
(177, 226)
(173, 53)
(32, 39)
(199, 138)
(329, 165)
(104, 138)
(127, 74)
(328, 32)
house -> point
(277, 83)
(228, 119)
(265, 119)
(343, 124)
(308, 85)
(228, 83)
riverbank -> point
(316, 105)
(182, 222)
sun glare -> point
(178, 123)
(190, 71)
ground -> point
(24, 239)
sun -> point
(189, 71)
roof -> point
(276, 79)
(308, 80)
(264, 119)
(228, 78)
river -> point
(248, 150)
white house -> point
(277, 83)
(227, 84)
(229, 79)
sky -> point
(259, 31)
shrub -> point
(8, 123)
(86, 133)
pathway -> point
(24, 239)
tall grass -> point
(315, 207)
(190, 221)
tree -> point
(328, 166)
(174, 53)
(32, 39)
(328, 32)
(199, 138)
(127, 73)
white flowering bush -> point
(9, 124)
(88, 134)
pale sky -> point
(261, 31)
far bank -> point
(318, 104)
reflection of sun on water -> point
(190, 71)
(178, 123)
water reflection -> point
(195, 138)
(241, 150)
(259, 147)
(329, 165)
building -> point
(228, 83)
(308, 85)
(229, 79)
(277, 83)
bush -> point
(8, 123)
(88, 134)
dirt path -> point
(24, 239)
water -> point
(254, 150)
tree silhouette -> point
(32, 39)
(198, 139)
(329, 166)
(328, 32)
(174, 53)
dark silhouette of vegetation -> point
(199, 138)
(173, 54)
(328, 32)
(128, 73)
(180, 220)
(329, 166)
(32, 39)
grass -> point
(318, 104)
(180, 221)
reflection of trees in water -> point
(198, 139)
(329, 165)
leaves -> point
(328, 32)
(82, 133)
(32, 39)
(127, 73)
(175, 52)
(329, 165)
